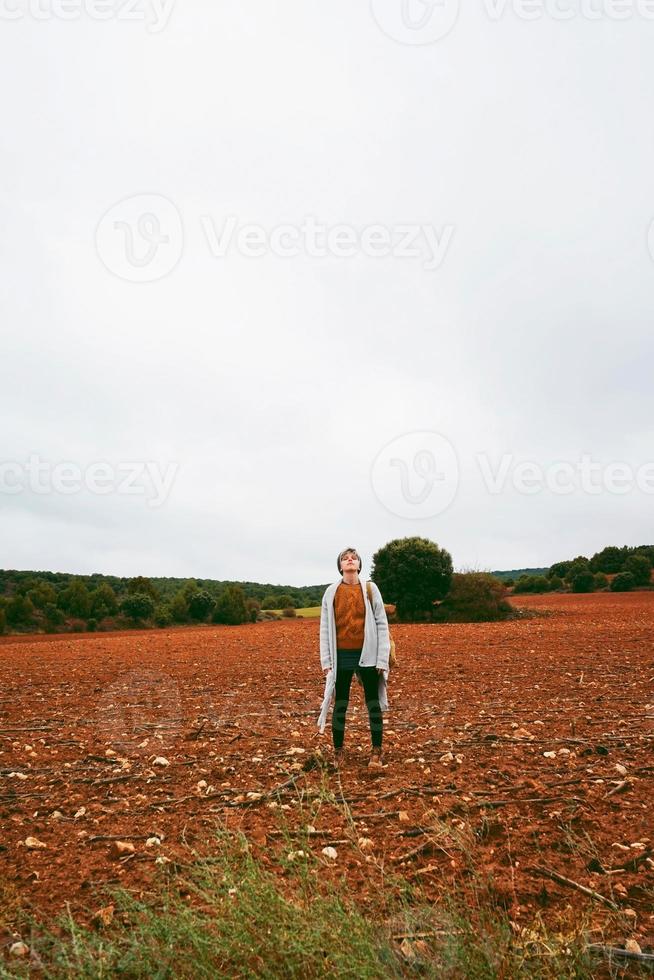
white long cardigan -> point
(375, 650)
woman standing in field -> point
(354, 638)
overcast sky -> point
(264, 388)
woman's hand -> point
(380, 670)
(325, 671)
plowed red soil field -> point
(528, 745)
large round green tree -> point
(412, 573)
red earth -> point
(525, 747)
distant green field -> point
(306, 611)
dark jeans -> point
(370, 680)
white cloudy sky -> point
(288, 395)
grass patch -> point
(226, 914)
(306, 611)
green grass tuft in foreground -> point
(225, 914)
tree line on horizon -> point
(614, 569)
(59, 602)
(414, 574)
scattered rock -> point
(160, 761)
(103, 917)
(34, 844)
(330, 852)
(120, 848)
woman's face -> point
(349, 561)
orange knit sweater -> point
(349, 614)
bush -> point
(138, 606)
(609, 560)
(285, 601)
(77, 625)
(163, 616)
(179, 608)
(253, 607)
(412, 573)
(103, 601)
(601, 581)
(475, 597)
(532, 583)
(142, 586)
(42, 594)
(640, 567)
(623, 582)
(580, 564)
(200, 605)
(75, 599)
(644, 549)
(560, 569)
(92, 625)
(54, 617)
(19, 611)
(3, 621)
(289, 612)
(583, 581)
(230, 607)
(556, 582)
